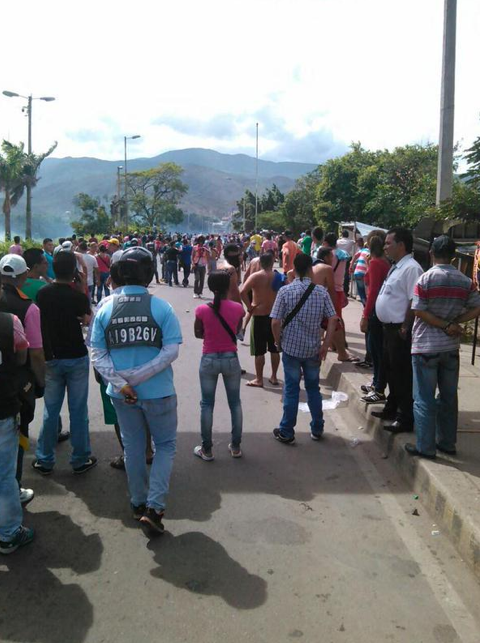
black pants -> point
(375, 349)
(186, 274)
(199, 272)
(397, 359)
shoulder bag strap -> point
(224, 323)
(299, 305)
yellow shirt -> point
(257, 239)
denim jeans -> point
(292, 367)
(199, 272)
(103, 286)
(211, 366)
(172, 271)
(160, 417)
(91, 292)
(70, 375)
(435, 419)
(362, 293)
(10, 507)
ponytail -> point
(218, 283)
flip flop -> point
(254, 385)
(274, 383)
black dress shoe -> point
(384, 415)
(411, 449)
(397, 427)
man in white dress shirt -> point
(394, 309)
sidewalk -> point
(449, 486)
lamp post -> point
(125, 139)
(256, 184)
(28, 109)
(119, 168)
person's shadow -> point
(197, 563)
(35, 605)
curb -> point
(446, 492)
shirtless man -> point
(260, 284)
(323, 276)
(231, 265)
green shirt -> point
(306, 244)
(31, 288)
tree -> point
(94, 219)
(154, 195)
(17, 170)
(12, 180)
(472, 156)
(270, 202)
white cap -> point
(13, 266)
(67, 245)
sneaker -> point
(138, 511)
(196, 296)
(204, 455)
(41, 469)
(118, 463)
(367, 388)
(241, 335)
(153, 520)
(316, 438)
(63, 436)
(89, 464)
(26, 496)
(23, 536)
(374, 398)
(235, 452)
(281, 438)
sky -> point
(315, 74)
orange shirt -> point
(289, 251)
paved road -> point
(315, 542)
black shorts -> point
(261, 336)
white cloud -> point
(316, 74)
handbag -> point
(224, 323)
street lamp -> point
(125, 139)
(119, 168)
(28, 108)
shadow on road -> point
(199, 564)
(35, 604)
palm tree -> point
(17, 170)
(12, 179)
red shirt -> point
(374, 277)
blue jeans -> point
(10, 507)
(103, 288)
(292, 367)
(70, 375)
(362, 293)
(160, 417)
(172, 271)
(211, 366)
(435, 419)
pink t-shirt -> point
(19, 338)
(33, 329)
(16, 249)
(216, 339)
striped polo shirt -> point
(446, 293)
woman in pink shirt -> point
(218, 324)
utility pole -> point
(447, 108)
(256, 184)
(28, 209)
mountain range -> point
(215, 180)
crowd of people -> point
(83, 300)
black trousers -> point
(397, 360)
(199, 272)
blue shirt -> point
(49, 258)
(161, 384)
(186, 255)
